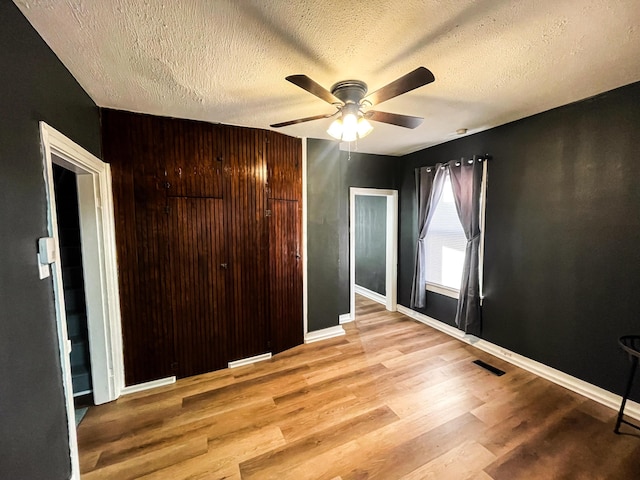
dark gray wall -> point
(324, 188)
(330, 174)
(366, 171)
(562, 234)
(34, 86)
(371, 242)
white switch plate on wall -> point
(46, 255)
(47, 250)
(43, 269)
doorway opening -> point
(97, 254)
(377, 279)
(73, 286)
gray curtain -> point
(429, 183)
(466, 181)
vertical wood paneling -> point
(198, 305)
(190, 196)
(285, 274)
(284, 167)
(141, 237)
(155, 324)
(196, 169)
(245, 211)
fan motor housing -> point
(349, 91)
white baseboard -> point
(250, 360)
(558, 377)
(371, 295)
(432, 322)
(345, 318)
(324, 334)
(147, 385)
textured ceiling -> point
(225, 60)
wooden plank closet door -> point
(245, 224)
(198, 268)
(285, 275)
(284, 187)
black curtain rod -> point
(457, 163)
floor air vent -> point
(491, 368)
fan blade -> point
(312, 87)
(300, 120)
(394, 119)
(412, 80)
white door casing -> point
(391, 287)
(97, 230)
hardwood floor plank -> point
(461, 462)
(413, 453)
(533, 413)
(552, 451)
(114, 431)
(339, 368)
(138, 465)
(223, 457)
(482, 475)
(392, 399)
(267, 384)
(88, 460)
(336, 384)
(274, 464)
(325, 416)
(386, 453)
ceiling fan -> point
(352, 103)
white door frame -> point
(97, 230)
(391, 288)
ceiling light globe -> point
(350, 121)
(335, 129)
(364, 127)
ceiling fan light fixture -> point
(351, 99)
(350, 127)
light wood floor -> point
(393, 399)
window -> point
(446, 245)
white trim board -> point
(391, 254)
(593, 392)
(305, 273)
(370, 294)
(97, 233)
(97, 230)
(324, 334)
(249, 360)
(345, 318)
(442, 290)
(141, 387)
